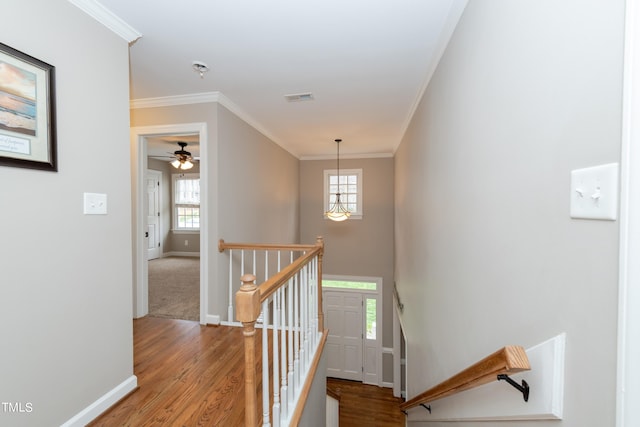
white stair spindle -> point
(265, 366)
(276, 359)
(231, 294)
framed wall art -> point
(27, 111)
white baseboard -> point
(176, 253)
(94, 410)
(386, 384)
(213, 319)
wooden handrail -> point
(268, 287)
(249, 299)
(222, 246)
(508, 360)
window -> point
(186, 202)
(349, 284)
(349, 187)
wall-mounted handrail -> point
(508, 360)
(397, 295)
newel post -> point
(320, 243)
(248, 310)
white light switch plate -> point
(95, 204)
(594, 192)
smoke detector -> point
(200, 68)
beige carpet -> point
(174, 288)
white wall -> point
(486, 254)
(65, 304)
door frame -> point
(139, 166)
(628, 375)
(379, 311)
(159, 176)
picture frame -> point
(27, 111)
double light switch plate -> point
(594, 192)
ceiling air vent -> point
(299, 97)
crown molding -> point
(349, 156)
(170, 101)
(205, 98)
(107, 18)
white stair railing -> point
(288, 305)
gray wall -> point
(65, 309)
(252, 188)
(356, 247)
(486, 254)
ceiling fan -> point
(182, 159)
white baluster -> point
(291, 323)
(296, 333)
(283, 352)
(231, 294)
(276, 358)
(305, 317)
(303, 323)
(265, 366)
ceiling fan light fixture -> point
(182, 157)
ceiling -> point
(364, 62)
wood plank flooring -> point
(191, 375)
(188, 375)
(366, 405)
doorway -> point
(153, 181)
(140, 137)
(352, 311)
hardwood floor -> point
(366, 405)
(188, 375)
(191, 375)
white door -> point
(152, 180)
(343, 319)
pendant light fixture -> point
(338, 212)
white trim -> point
(205, 98)
(181, 253)
(170, 101)
(213, 319)
(379, 319)
(628, 373)
(139, 163)
(94, 410)
(348, 156)
(455, 13)
(107, 18)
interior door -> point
(343, 318)
(152, 180)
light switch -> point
(594, 192)
(95, 204)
